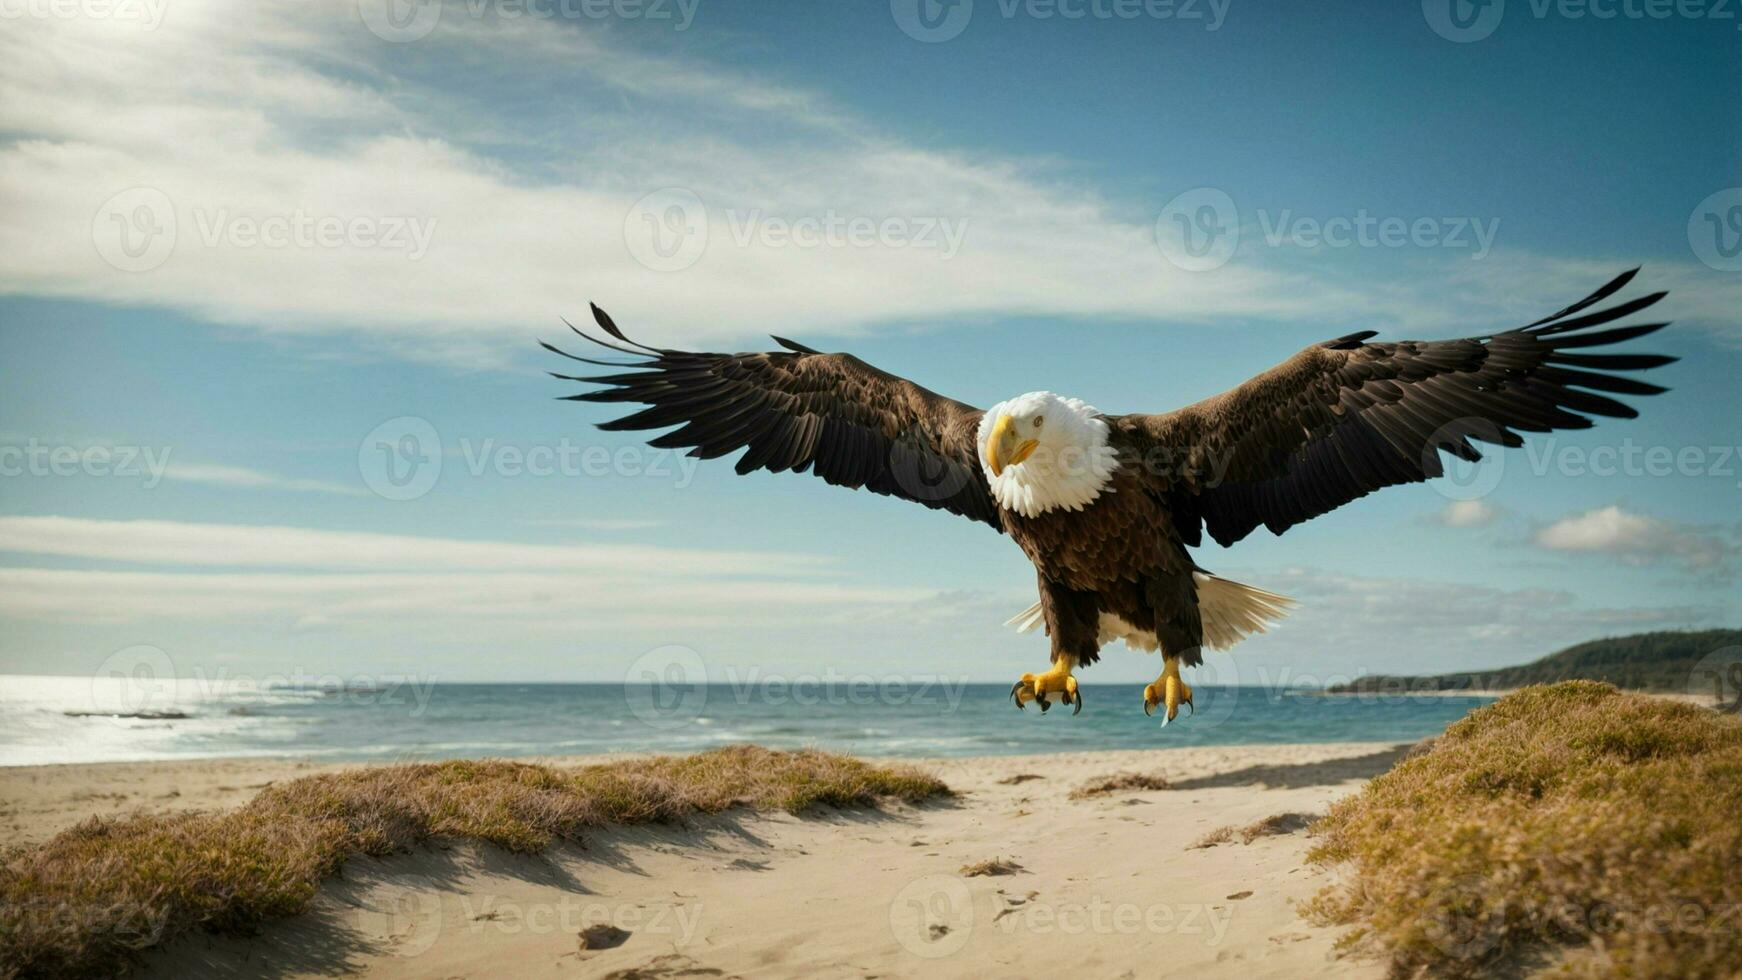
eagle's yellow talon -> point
(1168, 690)
(1058, 680)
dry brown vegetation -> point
(1571, 828)
(1221, 835)
(1123, 782)
(86, 901)
(1274, 825)
(993, 868)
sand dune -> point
(1108, 885)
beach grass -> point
(1275, 825)
(991, 867)
(1120, 782)
(1571, 828)
(87, 901)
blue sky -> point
(373, 224)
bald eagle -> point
(1106, 506)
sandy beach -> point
(1109, 884)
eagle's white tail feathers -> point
(1229, 610)
(1026, 620)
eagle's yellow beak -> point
(1002, 447)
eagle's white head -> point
(1044, 452)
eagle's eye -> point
(1038, 419)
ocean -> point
(45, 720)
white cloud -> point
(411, 603)
(1639, 539)
(1348, 625)
(265, 546)
(595, 524)
(239, 476)
(1604, 529)
(311, 595)
(303, 578)
(1468, 513)
(250, 113)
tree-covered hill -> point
(1644, 661)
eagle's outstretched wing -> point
(1344, 418)
(800, 409)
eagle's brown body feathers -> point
(1122, 555)
(1331, 424)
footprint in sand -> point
(603, 937)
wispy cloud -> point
(1351, 624)
(306, 577)
(595, 524)
(416, 604)
(240, 476)
(433, 228)
(1467, 513)
(266, 546)
(1642, 539)
(278, 583)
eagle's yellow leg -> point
(1058, 680)
(1168, 689)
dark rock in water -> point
(603, 937)
(142, 715)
